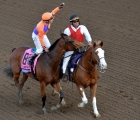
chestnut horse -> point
(86, 73)
(47, 68)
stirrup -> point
(65, 78)
(30, 62)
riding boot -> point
(31, 61)
(65, 78)
(65, 75)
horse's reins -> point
(66, 42)
(93, 67)
(86, 70)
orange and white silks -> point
(42, 28)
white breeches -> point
(37, 43)
(66, 60)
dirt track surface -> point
(115, 22)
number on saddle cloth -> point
(25, 67)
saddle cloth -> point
(25, 67)
(74, 61)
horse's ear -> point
(61, 33)
(101, 44)
(94, 44)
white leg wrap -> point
(95, 107)
(84, 99)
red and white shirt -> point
(78, 33)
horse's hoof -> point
(44, 110)
(58, 106)
(21, 102)
(97, 115)
(63, 102)
(54, 92)
(81, 104)
(55, 107)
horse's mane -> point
(53, 45)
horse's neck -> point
(56, 55)
(86, 60)
(87, 54)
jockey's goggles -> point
(74, 21)
(75, 18)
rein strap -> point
(88, 71)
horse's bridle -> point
(66, 42)
(93, 67)
(98, 60)
(69, 42)
(84, 69)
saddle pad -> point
(25, 67)
(72, 64)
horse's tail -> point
(13, 49)
(8, 72)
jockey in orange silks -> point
(39, 36)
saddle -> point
(72, 64)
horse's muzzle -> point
(102, 68)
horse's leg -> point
(56, 87)
(16, 72)
(54, 92)
(93, 89)
(23, 80)
(84, 98)
(16, 78)
(43, 93)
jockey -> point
(39, 36)
(77, 32)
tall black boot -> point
(65, 78)
(31, 61)
(66, 75)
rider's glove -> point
(61, 5)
